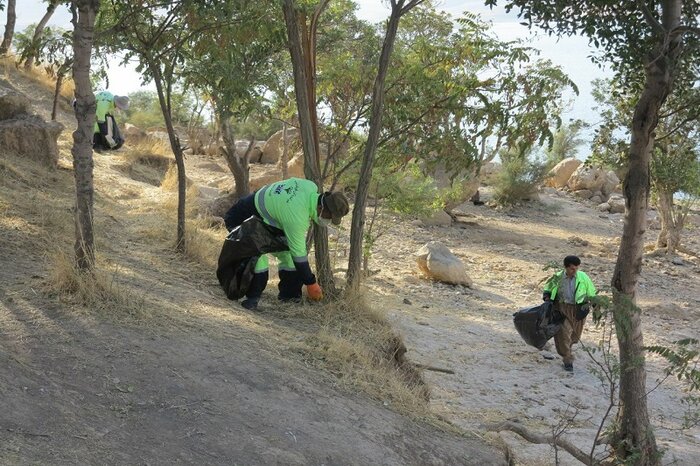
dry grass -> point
(38, 74)
(203, 243)
(358, 345)
(96, 290)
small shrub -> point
(518, 181)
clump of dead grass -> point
(358, 345)
(147, 162)
(203, 242)
(96, 290)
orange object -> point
(314, 291)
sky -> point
(571, 53)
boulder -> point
(272, 149)
(219, 206)
(604, 207)
(617, 204)
(13, 104)
(437, 262)
(560, 174)
(31, 137)
(583, 193)
(255, 155)
(597, 200)
(610, 183)
(295, 167)
(134, 134)
(590, 178)
(439, 218)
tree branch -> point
(649, 17)
(533, 437)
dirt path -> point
(497, 377)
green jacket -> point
(584, 286)
(290, 205)
(105, 105)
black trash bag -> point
(536, 325)
(99, 140)
(241, 250)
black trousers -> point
(290, 281)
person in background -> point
(106, 133)
(571, 290)
(290, 206)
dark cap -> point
(337, 204)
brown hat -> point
(337, 204)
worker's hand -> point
(583, 311)
(546, 296)
(314, 292)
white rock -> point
(617, 204)
(590, 178)
(437, 262)
(560, 174)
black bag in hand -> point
(241, 250)
(536, 325)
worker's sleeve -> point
(296, 239)
(591, 291)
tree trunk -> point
(9, 27)
(635, 437)
(177, 152)
(84, 13)
(284, 161)
(358, 213)
(307, 129)
(38, 32)
(671, 223)
(56, 95)
(238, 167)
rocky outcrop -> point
(437, 262)
(24, 134)
(13, 104)
(559, 175)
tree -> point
(674, 168)
(158, 38)
(302, 27)
(54, 49)
(644, 39)
(566, 141)
(38, 33)
(231, 65)
(84, 13)
(9, 27)
(456, 98)
(398, 9)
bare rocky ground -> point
(497, 377)
(160, 368)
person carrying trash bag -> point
(106, 132)
(571, 290)
(289, 206)
(538, 324)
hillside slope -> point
(150, 363)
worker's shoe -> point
(568, 367)
(250, 303)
